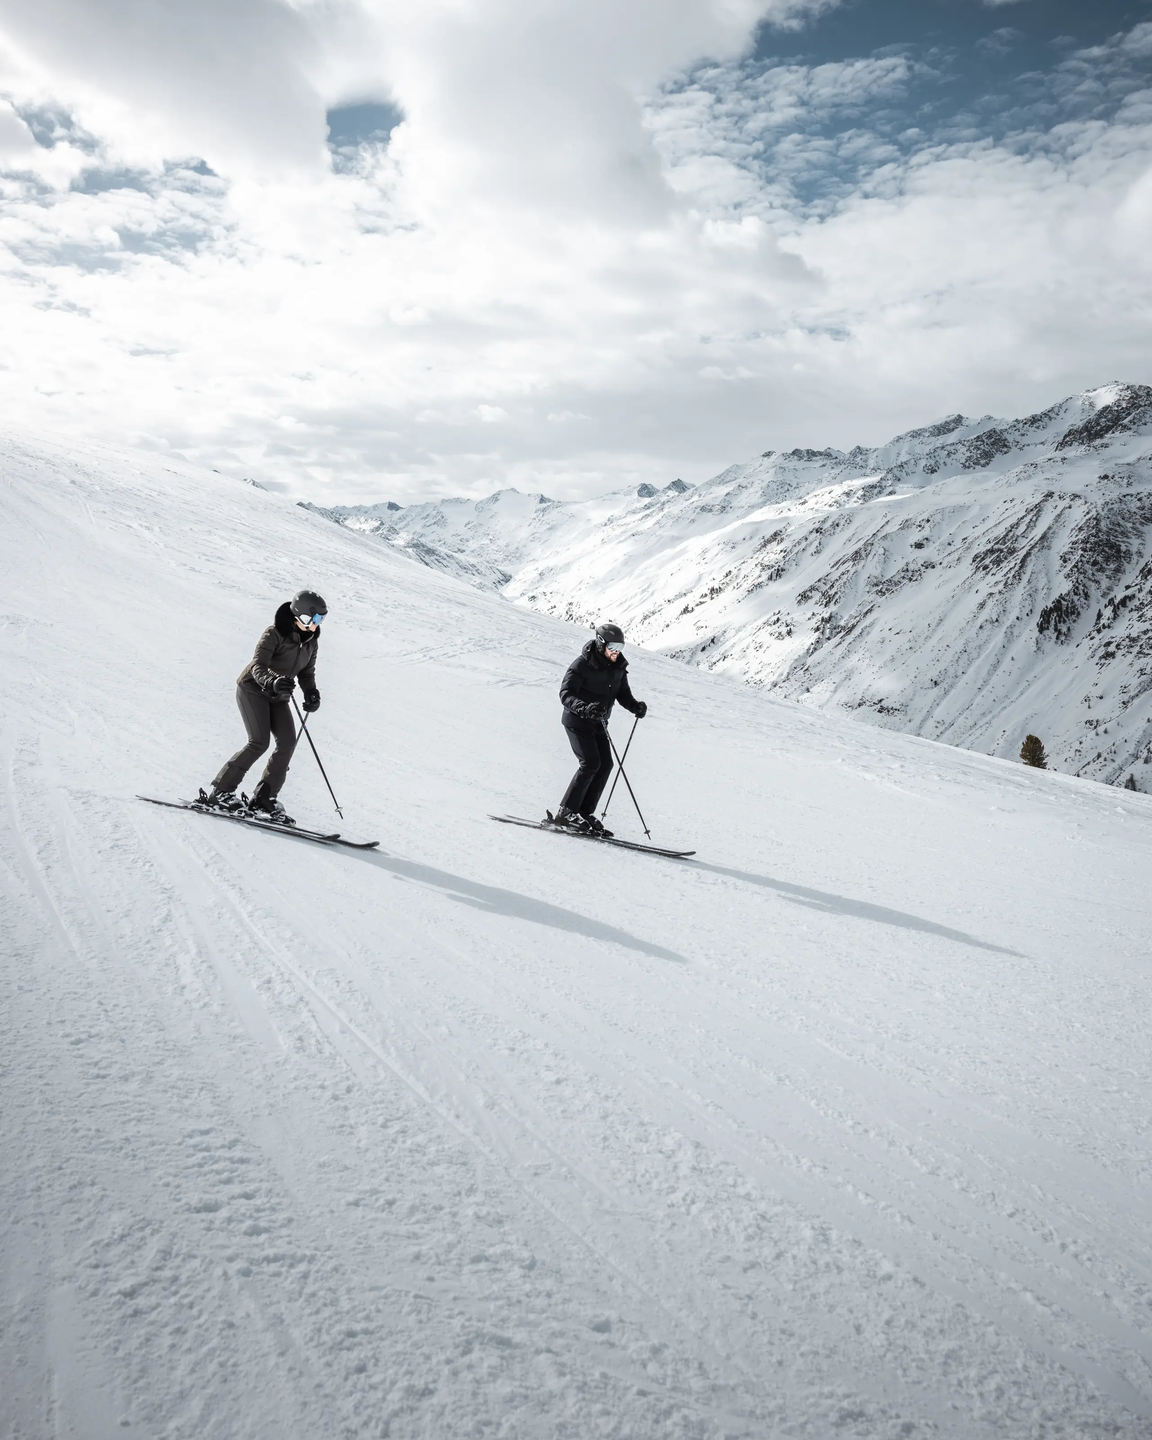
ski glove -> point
(311, 701)
(641, 710)
(593, 710)
(282, 687)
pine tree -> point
(1130, 783)
(1032, 753)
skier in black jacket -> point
(286, 651)
(595, 680)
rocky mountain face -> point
(973, 581)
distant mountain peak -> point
(972, 580)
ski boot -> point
(566, 819)
(226, 800)
(595, 827)
(266, 807)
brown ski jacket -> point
(283, 649)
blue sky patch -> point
(99, 182)
(51, 127)
(983, 59)
(822, 113)
(369, 123)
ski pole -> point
(616, 777)
(628, 783)
(304, 731)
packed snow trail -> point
(840, 1128)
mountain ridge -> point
(971, 580)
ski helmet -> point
(609, 635)
(307, 605)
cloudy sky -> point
(372, 249)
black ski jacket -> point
(283, 649)
(593, 678)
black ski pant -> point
(263, 719)
(594, 752)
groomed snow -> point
(841, 1129)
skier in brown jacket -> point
(284, 653)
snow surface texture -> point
(973, 582)
(840, 1130)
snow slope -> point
(972, 581)
(840, 1130)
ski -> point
(599, 839)
(318, 837)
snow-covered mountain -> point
(839, 1130)
(486, 542)
(973, 581)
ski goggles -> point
(310, 619)
(616, 646)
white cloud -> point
(16, 143)
(741, 261)
(1000, 42)
(225, 79)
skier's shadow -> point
(840, 905)
(521, 907)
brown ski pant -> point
(264, 720)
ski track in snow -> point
(841, 1129)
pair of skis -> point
(318, 837)
(599, 839)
